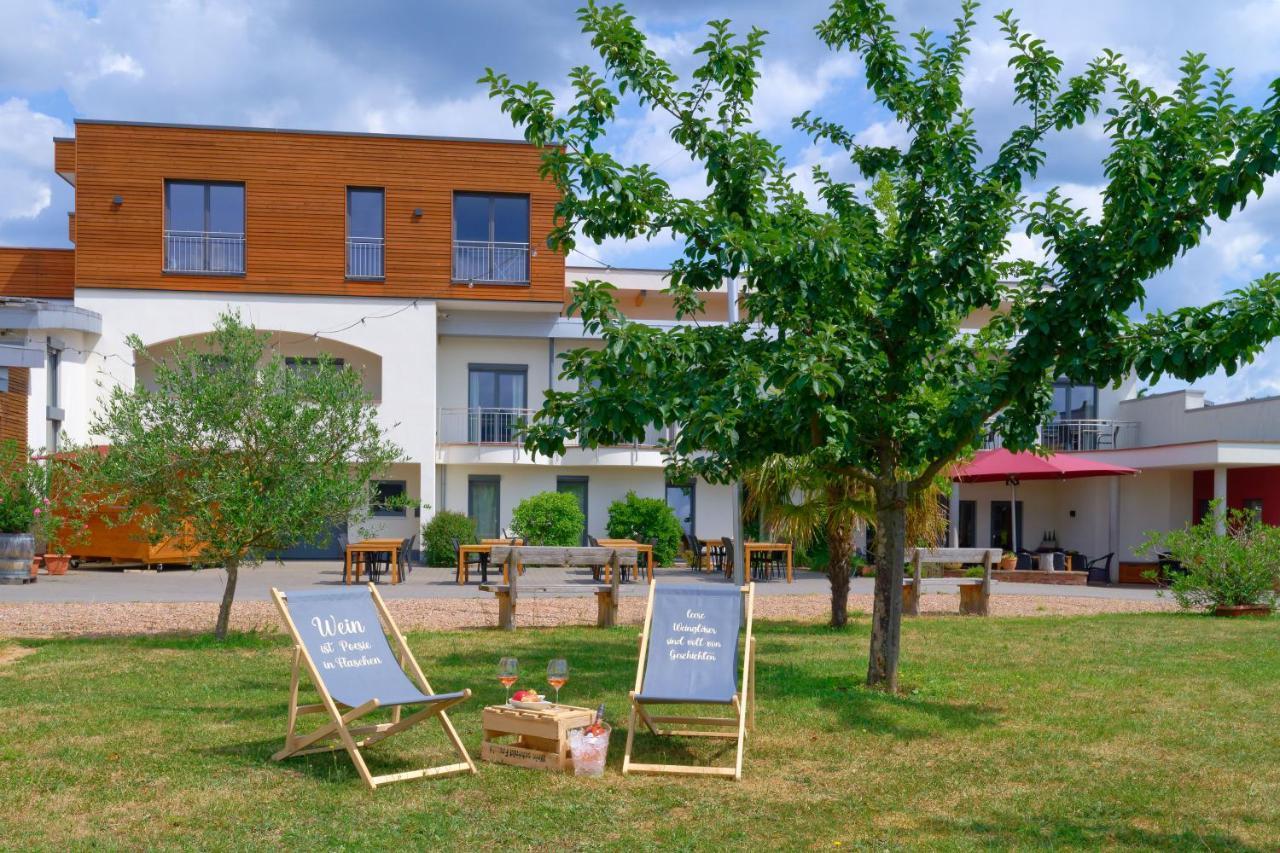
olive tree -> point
(852, 355)
(234, 454)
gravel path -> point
(108, 619)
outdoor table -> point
(768, 548)
(484, 548)
(640, 547)
(708, 546)
(357, 550)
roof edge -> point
(300, 131)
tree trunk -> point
(228, 596)
(840, 549)
(886, 616)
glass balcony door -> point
(496, 399)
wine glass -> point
(557, 675)
(508, 671)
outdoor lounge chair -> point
(689, 656)
(339, 643)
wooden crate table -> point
(541, 737)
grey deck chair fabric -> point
(343, 636)
(693, 645)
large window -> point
(203, 227)
(483, 496)
(497, 396)
(490, 238)
(1074, 402)
(365, 244)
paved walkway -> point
(205, 585)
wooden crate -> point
(541, 738)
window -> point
(304, 364)
(496, 400)
(576, 486)
(490, 238)
(386, 494)
(203, 227)
(483, 494)
(1074, 402)
(4, 380)
(680, 497)
(365, 215)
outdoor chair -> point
(406, 559)
(689, 656)
(726, 559)
(696, 553)
(1025, 562)
(1100, 569)
(339, 641)
(480, 560)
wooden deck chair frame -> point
(339, 728)
(744, 708)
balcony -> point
(204, 252)
(505, 427)
(365, 257)
(1079, 435)
(490, 263)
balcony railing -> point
(507, 426)
(365, 257)
(1072, 435)
(204, 252)
(503, 263)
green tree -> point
(549, 518)
(236, 454)
(643, 519)
(852, 357)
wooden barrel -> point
(16, 551)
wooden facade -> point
(13, 406)
(37, 273)
(295, 207)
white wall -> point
(1182, 417)
(456, 353)
(76, 380)
(404, 344)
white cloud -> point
(25, 196)
(119, 63)
(784, 91)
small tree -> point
(549, 518)
(853, 358)
(439, 533)
(235, 454)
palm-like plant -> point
(802, 502)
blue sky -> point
(410, 67)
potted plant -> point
(19, 498)
(1233, 573)
(1008, 561)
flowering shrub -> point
(1237, 567)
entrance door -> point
(680, 499)
(1001, 527)
(483, 495)
(577, 486)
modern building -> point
(1187, 450)
(422, 263)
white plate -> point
(530, 706)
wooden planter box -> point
(538, 740)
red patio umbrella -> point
(993, 466)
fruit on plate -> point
(596, 729)
(526, 696)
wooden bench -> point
(509, 593)
(975, 593)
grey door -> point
(577, 486)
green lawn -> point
(1151, 731)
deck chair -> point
(339, 643)
(679, 665)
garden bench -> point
(510, 592)
(975, 593)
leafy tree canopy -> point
(853, 355)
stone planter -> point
(16, 553)
(1234, 610)
(57, 564)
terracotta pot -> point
(1242, 610)
(1008, 564)
(57, 564)
(35, 566)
